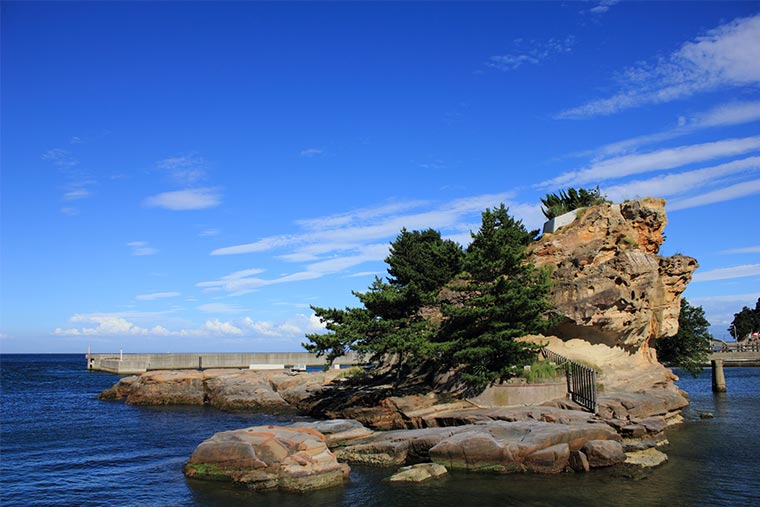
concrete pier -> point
(127, 364)
(718, 378)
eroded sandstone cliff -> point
(610, 285)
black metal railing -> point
(581, 379)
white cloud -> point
(311, 152)
(296, 326)
(744, 271)
(217, 327)
(70, 211)
(603, 6)
(75, 194)
(658, 160)
(734, 113)
(156, 295)
(111, 325)
(60, 158)
(106, 325)
(205, 233)
(188, 199)
(726, 56)
(736, 191)
(141, 248)
(184, 170)
(530, 52)
(745, 250)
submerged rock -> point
(419, 473)
(268, 457)
(647, 458)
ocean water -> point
(60, 446)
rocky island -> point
(613, 296)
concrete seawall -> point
(123, 364)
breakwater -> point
(123, 364)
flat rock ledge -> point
(268, 457)
(228, 390)
(419, 473)
(494, 447)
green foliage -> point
(745, 322)
(543, 370)
(354, 371)
(505, 298)
(424, 259)
(564, 201)
(342, 332)
(689, 348)
(389, 321)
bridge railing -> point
(737, 347)
(581, 379)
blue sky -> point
(192, 176)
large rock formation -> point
(228, 390)
(610, 286)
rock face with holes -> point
(268, 457)
(610, 286)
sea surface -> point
(61, 446)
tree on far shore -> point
(745, 322)
(690, 346)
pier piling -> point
(718, 378)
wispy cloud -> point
(243, 282)
(603, 6)
(743, 271)
(75, 194)
(141, 248)
(674, 184)
(311, 152)
(371, 224)
(726, 56)
(60, 158)
(188, 199)
(667, 158)
(530, 52)
(89, 137)
(729, 193)
(339, 243)
(205, 233)
(156, 295)
(184, 170)
(733, 113)
(745, 250)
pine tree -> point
(505, 298)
